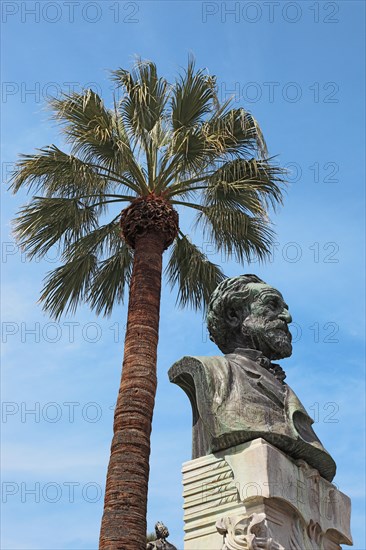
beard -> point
(272, 338)
(279, 341)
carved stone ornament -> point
(310, 538)
(246, 533)
(253, 533)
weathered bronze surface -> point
(242, 395)
(160, 543)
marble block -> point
(255, 497)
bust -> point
(241, 395)
(160, 543)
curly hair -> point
(231, 294)
(161, 530)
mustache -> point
(282, 327)
(278, 325)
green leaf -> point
(56, 173)
(67, 286)
(97, 134)
(251, 185)
(47, 221)
(190, 152)
(195, 276)
(88, 125)
(101, 241)
(142, 111)
(203, 147)
(235, 233)
(146, 95)
(234, 132)
(84, 278)
(194, 96)
(109, 281)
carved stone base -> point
(254, 497)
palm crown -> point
(177, 143)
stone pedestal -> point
(254, 497)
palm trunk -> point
(125, 504)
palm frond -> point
(67, 286)
(146, 95)
(100, 241)
(49, 221)
(203, 147)
(193, 274)
(194, 96)
(58, 174)
(235, 233)
(84, 278)
(249, 184)
(189, 152)
(160, 135)
(142, 110)
(88, 125)
(109, 280)
(235, 132)
(97, 134)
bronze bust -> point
(160, 543)
(241, 395)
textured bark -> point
(124, 518)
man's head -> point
(246, 312)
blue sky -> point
(298, 67)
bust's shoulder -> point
(196, 366)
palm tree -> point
(160, 148)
